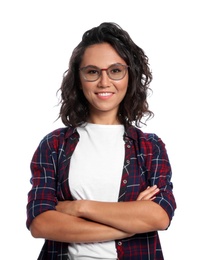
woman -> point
(101, 188)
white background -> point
(36, 41)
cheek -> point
(123, 87)
(124, 83)
(83, 86)
(86, 90)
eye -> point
(116, 69)
(91, 71)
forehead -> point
(101, 55)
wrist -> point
(81, 206)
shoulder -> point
(138, 135)
(147, 137)
(57, 137)
(146, 141)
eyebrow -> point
(94, 66)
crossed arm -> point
(84, 221)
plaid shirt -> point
(146, 163)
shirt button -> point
(119, 243)
(124, 181)
(128, 146)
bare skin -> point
(57, 226)
(85, 221)
(103, 111)
(61, 225)
(141, 216)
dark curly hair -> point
(74, 109)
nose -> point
(104, 80)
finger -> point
(148, 193)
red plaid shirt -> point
(146, 163)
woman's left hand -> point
(74, 208)
(149, 193)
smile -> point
(105, 94)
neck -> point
(103, 120)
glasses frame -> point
(103, 69)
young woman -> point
(101, 188)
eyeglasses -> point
(115, 72)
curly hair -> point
(74, 109)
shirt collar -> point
(131, 132)
(71, 131)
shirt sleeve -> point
(42, 196)
(161, 174)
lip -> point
(104, 95)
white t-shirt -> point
(95, 174)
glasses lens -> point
(91, 73)
(117, 71)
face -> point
(104, 94)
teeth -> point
(104, 94)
